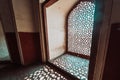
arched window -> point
(80, 27)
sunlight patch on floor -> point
(74, 65)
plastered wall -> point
(115, 17)
(56, 20)
(24, 16)
(28, 33)
(5, 16)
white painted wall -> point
(41, 1)
(24, 15)
(56, 16)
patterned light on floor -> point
(45, 73)
(80, 27)
(74, 65)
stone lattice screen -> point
(80, 27)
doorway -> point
(4, 52)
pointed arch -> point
(80, 27)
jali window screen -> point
(80, 27)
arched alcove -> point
(79, 29)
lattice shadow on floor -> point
(76, 66)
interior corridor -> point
(59, 39)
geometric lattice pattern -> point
(80, 27)
(45, 73)
(76, 66)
